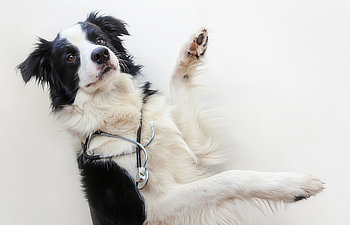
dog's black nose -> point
(100, 55)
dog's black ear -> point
(38, 63)
(115, 28)
(111, 26)
(108, 24)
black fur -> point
(147, 91)
(298, 198)
(38, 63)
(113, 28)
(48, 61)
(111, 193)
(48, 65)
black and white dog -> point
(96, 92)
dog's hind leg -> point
(192, 121)
(212, 200)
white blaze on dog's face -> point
(97, 63)
(83, 58)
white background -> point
(280, 69)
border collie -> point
(143, 160)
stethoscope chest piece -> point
(141, 177)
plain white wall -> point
(280, 69)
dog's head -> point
(84, 57)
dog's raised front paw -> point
(191, 54)
(198, 45)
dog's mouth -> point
(105, 70)
(103, 73)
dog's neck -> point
(115, 109)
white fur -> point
(88, 70)
(181, 190)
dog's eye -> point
(71, 57)
(100, 41)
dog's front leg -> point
(195, 123)
(236, 184)
(190, 58)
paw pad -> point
(198, 45)
(298, 198)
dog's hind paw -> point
(308, 187)
(295, 187)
